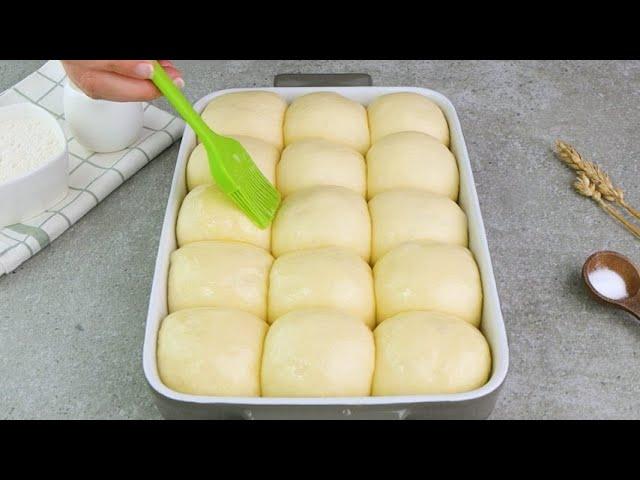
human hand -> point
(118, 80)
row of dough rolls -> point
(320, 293)
(319, 352)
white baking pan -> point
(476, 404)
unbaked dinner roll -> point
(421, 353)
(314, 162)
(411, 160)
(426, 275)
(264, 155)
(207, 213)
(328, 116)
(253, 113)
(398, 216)
(219, 274)
(322, 217)
(406, 112)
(324, 277)
(318, 353)
(211, 351)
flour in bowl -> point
(25, 144)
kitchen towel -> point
(92, 176)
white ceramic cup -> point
(99, 125)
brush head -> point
(238, 176)
(231, 166)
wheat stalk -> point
(598, 177)
(586, 187)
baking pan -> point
(475, 404)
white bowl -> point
(100, 125)
(31, 193)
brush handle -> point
(175, 97)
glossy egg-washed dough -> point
(324, 277)
(211, 351)
(264, 154)
(320, 294)
(219, 274)
(398, 216)
(208, 214)
(318, 353)
(425, 275)
(429, 353)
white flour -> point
(608, 283)
(25, 143)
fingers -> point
(103, 85)
(119, 80)
(141, 69)
(173, 72)
(175, 75)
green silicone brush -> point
(230, 164)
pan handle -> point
(322, 80)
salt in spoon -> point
(623, 267)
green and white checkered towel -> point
(92, 176)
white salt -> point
(25, 143)
(608, 283)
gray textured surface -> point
(72, 318)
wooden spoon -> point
(623, 267)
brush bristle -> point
(257, 197)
